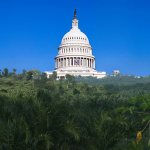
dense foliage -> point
(37, 113)
(118, 79)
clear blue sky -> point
(118, 31)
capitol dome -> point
(75, 54)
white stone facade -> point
(75, 55)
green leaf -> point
(145, 118)
(144, 106)
(134, 145)
(149, 143)
(121, 109)
(132, 108)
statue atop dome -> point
(75, 12)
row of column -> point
(75, 61)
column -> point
(55, 63)
(86, 62)
(66, 62)
(83, 61)
(80, 62)
(73, 61)
(63, 62)
(59, 63)
(70, 61)
(94, 63)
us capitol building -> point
(75, 55)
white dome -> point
(75, 36)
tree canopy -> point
(64, 114)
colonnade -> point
(75, 61)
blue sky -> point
(118, 31)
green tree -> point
(24, 72)
(69, 79)
(36, 73)
(54, 76)
(5, 73)
(14, 71)
(29, 76)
